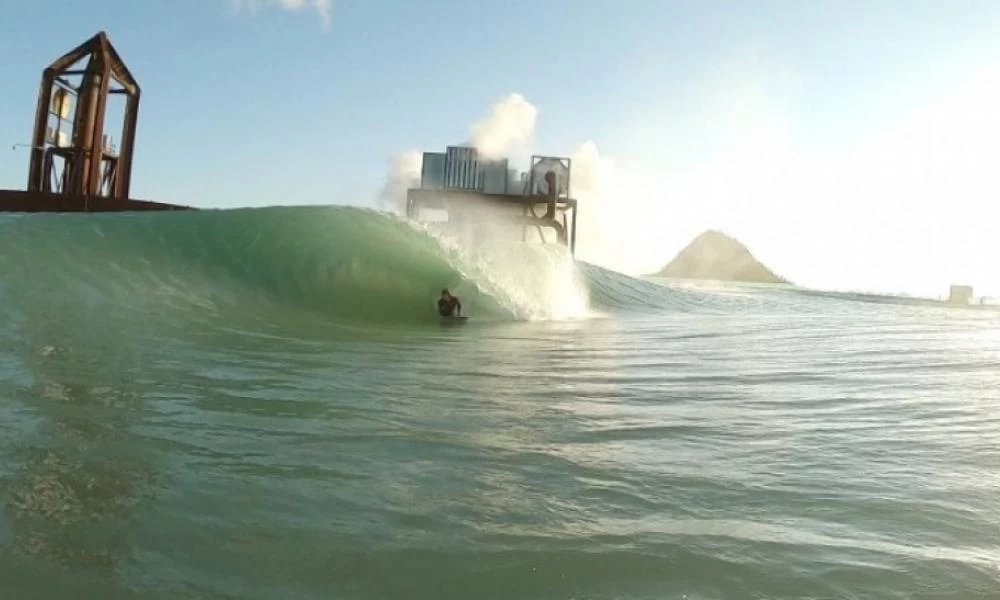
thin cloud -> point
(323, 8)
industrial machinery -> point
(459, 186)
(75, 165)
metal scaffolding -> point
(74, 94)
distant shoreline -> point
(901, 298)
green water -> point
(262, 404)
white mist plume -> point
(324, 8)
(404, 174)
(507, 130)
(604, 220)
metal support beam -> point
(35, 171)
(572, 244)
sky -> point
(849, 144)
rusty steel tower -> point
(71, 155)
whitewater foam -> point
(532, 282)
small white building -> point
(960, 294)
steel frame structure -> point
(89, 167)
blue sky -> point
(275, 106)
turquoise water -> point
(261, 404)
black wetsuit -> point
(447, 307)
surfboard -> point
(454, 320)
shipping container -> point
(432, 171)
(461, 168)
(494, 176)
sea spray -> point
(533, 281)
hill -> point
(716, 256)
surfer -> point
(448, 305)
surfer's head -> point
(445, 293)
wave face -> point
(342, 263)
